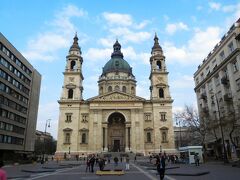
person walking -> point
(127, 163)
(88, 164)
(92, 162)
(116, 161)
(3, 174)
(160, 162)
(196, 159)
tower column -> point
(126, 140)
(106, 140)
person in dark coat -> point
(160, 162)
(92, 162)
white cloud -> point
(214, 5)
(130, 54)
(196, 48)
(94, 54)
(45, 45)
(199, 8)
(130, 36)
(118, 19)
(142, 24)
(166, 17)
(184, 82)
(173, 27)
(229, 8)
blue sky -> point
(43, 30)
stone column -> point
(129, 138)
(126, 140)
(106, 140)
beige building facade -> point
(217, 86)
(116, 120)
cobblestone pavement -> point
(68, 170)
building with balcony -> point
(19, 98)
(217, 87)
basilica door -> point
(116, 132)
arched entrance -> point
(116, 132)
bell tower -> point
(72, 87)
(159, 89)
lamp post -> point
(45, 133)
(178, 122)
(221, 130)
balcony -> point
(225, 80)
(227, 97)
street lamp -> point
(220, 124)
(45, 133)
(178, 122)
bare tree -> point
(190, 118)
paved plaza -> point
(140, 170)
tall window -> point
(231, 47)
(149, 137)
(84, 139)
(161, 93)
(70, 93)
(109, 88)
(73, 65)
(124, 89)
(159, 64)
(164, 136)
(163, 116)
(132, 90)
(68, 117)
(235, 66)
(116, 88)
(67, 138)
(222, 55)
(101, 90)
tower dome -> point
(117, 63)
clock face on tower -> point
(160, 79)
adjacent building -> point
(217, 86)
(19, 98)
(116, 120)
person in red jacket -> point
(3, 174)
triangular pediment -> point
(116, 96)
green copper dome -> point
(117, 63)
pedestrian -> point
(92, 162)
(196, 159)
(121, 159)
(127, 163)
(160, 162)
(88, 164)
(101, 163)
(3, 174)
(135, 158)
(115, 161)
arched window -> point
(124, 89)
(84, 138)
(132, 90)
(149, 139)
(72, 65)
(101, 90)
(159, 64)
(116, 88)
(161, 93)
(70, 93)
(67, 138)
(164, 136)
(109, 88)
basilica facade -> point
(116, 120)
